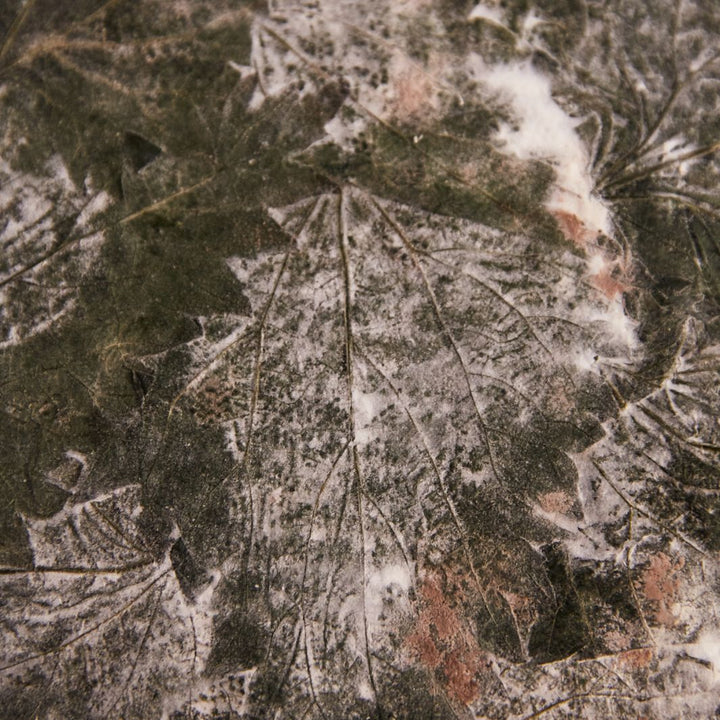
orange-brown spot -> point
(636, 659)
(460, 669)
(424, 648)
(573, 228)
(442, 641)
(609, 284)
(611, 280)
(660, 585)
(558, 502)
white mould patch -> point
(544, 131)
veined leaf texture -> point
(359, 359)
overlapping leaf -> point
(401, 400)
(96, 604)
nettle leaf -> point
(672, 482)
(402, 400)
(97, 604)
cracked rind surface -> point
(359, 359)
